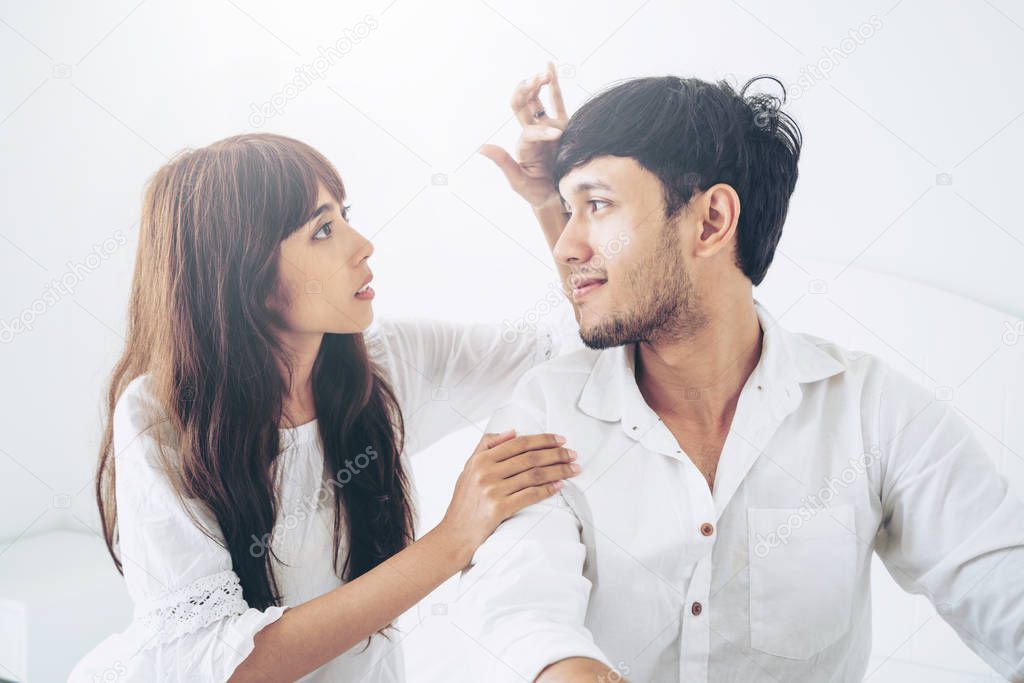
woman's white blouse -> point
(190, 620)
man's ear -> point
(719, 208)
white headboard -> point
(968, 353)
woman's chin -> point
(362, 317)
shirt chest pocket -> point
(803, 567)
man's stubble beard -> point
(665, 304)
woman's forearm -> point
(311, 634)
(579, 670)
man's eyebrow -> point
(588, 185)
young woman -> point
(252, 479)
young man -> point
(703, 540)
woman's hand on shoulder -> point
(505, 474)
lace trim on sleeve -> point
(197, 605)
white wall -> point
(910, 164)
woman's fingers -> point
(488, 441)
(538, 476)
(556, 93)
(523, 444)
(504, 161)
(540, 133)
(522, 97)
(505, 474)
(531, 459)
(521, 499)
(538, 112)
(526, 102)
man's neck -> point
(697, 380)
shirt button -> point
(696, 609)
(706, 529)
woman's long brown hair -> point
(200, 327)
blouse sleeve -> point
(448, 375)
(190, 620)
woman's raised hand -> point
(529, 173)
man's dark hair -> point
(692, 135)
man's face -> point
(629, 273)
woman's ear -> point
(720, 213)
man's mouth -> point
(582, 287)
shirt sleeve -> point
(951, 528)
(447, 375)
(190, 620)
(524, 596)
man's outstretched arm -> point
(952, 530)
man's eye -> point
(596, 204)
(323, 232)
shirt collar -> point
(787, 360)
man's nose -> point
(572, 245)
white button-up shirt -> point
(831, 456)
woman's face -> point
(324, 274)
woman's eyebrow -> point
(323, 208)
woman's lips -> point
(584, 287)
(366, 291)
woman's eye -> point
(323, 232)
(345, 211)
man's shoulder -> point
(874, 376)
(573, 366)
(854, 361)
(557, 382)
